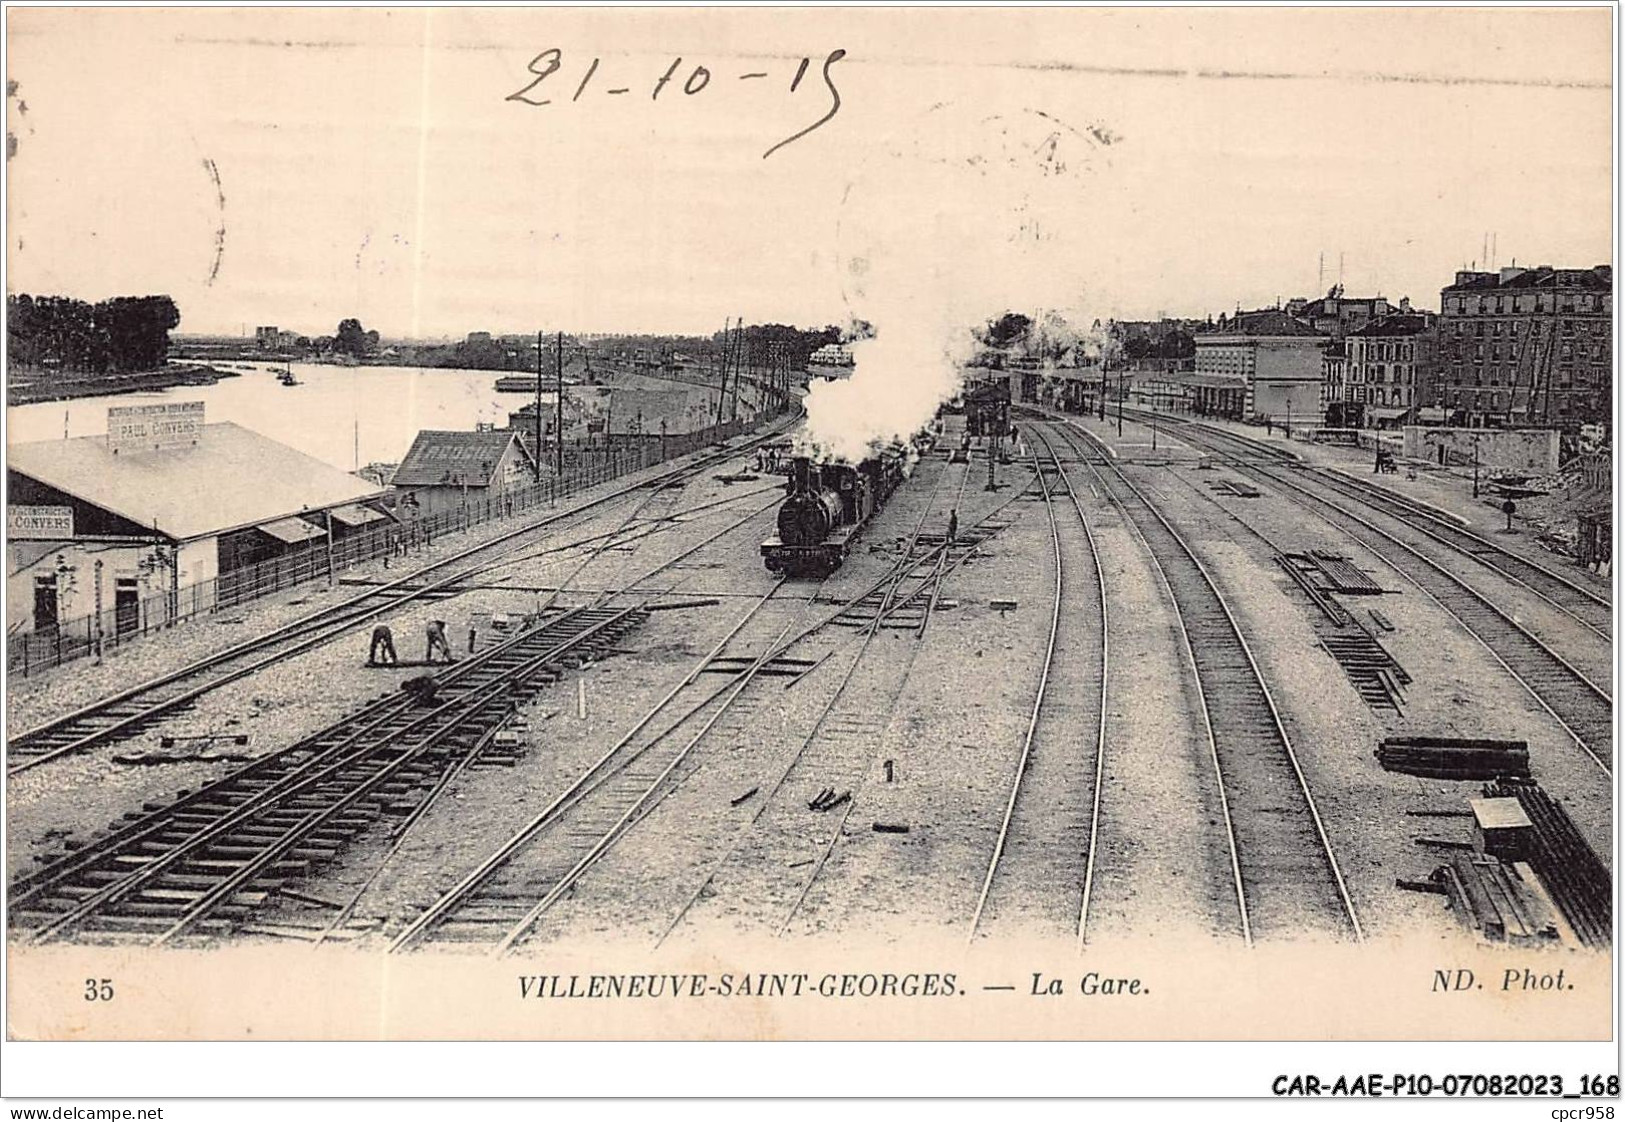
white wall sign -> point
(148, 428)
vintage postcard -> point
(812, 524)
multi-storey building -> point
(1335, 400)
(1272, 357)
(1528, 347)
(1391, 367)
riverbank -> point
(66, 389)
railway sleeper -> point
(211, 869)
(187, 880)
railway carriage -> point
(825, 507)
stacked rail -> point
(204, 863)
(1033, 865)
(131, 712)
(1286, 876)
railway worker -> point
(953, 526)
(383, 647)
(437, 640)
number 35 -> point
(98, 989)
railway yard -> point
(1161, 680)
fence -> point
(129, 620)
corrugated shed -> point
(231, 478)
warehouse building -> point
(448, 470)
(152, 529)
(1275, 358)
(1528, 347)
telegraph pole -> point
(538, 458)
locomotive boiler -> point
(825, 507)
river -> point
(348, 416)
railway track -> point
(500, 900)
(1286, 877)
(206, 862)
(133, 711)
(1051, 820)
(1583, 708)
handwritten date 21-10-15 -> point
(691, 80)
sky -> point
(295, 167)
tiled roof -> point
(1402, 324)
(1270, 322)
(441, 458)
(231, 478)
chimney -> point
(800, 473)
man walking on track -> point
(437, 641)
(383, 647)
(953, 526)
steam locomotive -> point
(825, 507)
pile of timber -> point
(1344, 576)
(1570, 869)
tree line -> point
(57, 334)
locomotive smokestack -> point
(800, 475)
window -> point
(126, 605)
